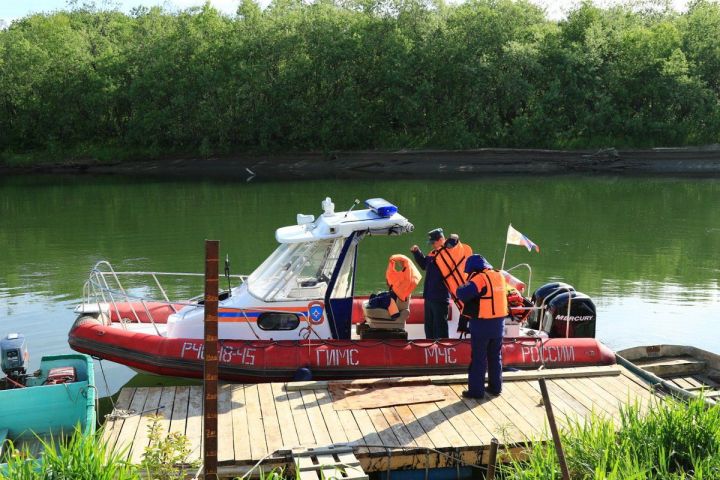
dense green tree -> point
(357, 74)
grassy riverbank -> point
(672, 440)
(355, 75)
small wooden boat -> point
(48, 403)
(685, 368)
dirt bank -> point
(695, 161)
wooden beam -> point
(210, 376)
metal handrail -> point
(97, 290)
(529, 273)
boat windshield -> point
(302, 271)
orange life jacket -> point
(451, 263)
(493, 304)
(402, 281)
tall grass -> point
(673, 440)
(78, 457)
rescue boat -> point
(293, 317)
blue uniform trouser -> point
(486, 346)
(436, 319)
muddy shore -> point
(692, 161)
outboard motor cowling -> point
(570, 314)
(542, 297)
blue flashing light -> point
(381, 207)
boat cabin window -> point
(278, 321)
(301, 271)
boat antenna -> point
(227, 273)
(355, 204)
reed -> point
(77, 457)
(671, 440)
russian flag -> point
(516, 238)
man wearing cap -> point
(435, 294)
(484, 297)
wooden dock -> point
(267, 421)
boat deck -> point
(686, 372)
(390, 423)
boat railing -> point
(104, 287)
(529, 268)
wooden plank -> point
(602, 399)
(179, 413)
(528, 407)
(494, 426)
(370, 435)
(564, 406)
(452, 408)
(380, 423)
(317, 423)
(194, 425)
(114, 426)
(285, 416)
(306, 436)
(524, 375)
(269, 418)
(411, 424)
(332, 421)
(126, 436)
(672, 366)
(167, 403)
(352, 430)
(423, 414)
(398, 427)
(256, 429)
(508, 405)
(225, 437)
(241, 433)
(142, 437)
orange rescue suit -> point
(401, 282)
(493, 303)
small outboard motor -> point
(578, 322)
(541, 298)
(13, 355)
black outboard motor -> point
(579, 322)
(541, 298)
(13, 356)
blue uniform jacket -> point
(434, 289)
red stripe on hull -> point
(267, 360)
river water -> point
(647, 250)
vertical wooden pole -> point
(210, 377)
(492, 461)
(554, 430)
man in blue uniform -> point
(435, 294)
(485, 304)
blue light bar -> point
(381, 207)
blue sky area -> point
(14, 9)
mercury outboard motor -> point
(578, 322)
(541, 298)
(13, 355)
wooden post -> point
(492, 461)
(210, 377)
(554, 430)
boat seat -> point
(381, 317)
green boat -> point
(46, 404)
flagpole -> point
(505, 252)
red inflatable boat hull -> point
(267, 360)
